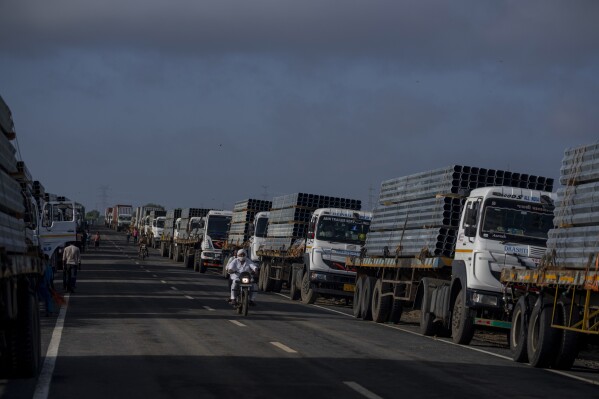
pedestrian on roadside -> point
(83, 240)
(97, 240)
(128, 236)
(71, 257)
(46, 286)
(135, 235)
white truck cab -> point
(57, 226)
(215, 229)
(260, 230)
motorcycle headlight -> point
(245, 280)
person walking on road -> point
(135, 235)
(46, 286)
(97, 240)
(71, 258)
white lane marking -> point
(360, 389)
(153, 275)
(162, 281)
(283, 347)
(174, 289)
(564, 374)
(137, 263)
(237, 323)
(188, 297)
(208, 308)
(42, 389)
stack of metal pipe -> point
(420, 213)
(290, 215)
(575, 240)
(243, 216)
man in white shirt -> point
(71, 259)
(237, 266)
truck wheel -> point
(367, 289)
(380, 304)
(568, 341)
(294, 290)
(396, 311)
(277, 285)
(267, 281)
(462, 321)
(542, 338)
(519, 331)
(307, 293)
(196, 265)
(357, 301)
(24, 338)
(203, 266)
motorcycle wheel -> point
(244, 302)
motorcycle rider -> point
(237, 266)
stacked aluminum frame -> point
(12, 210)
(575, 240)
(243, 216)
(290, 215)
(411, 220)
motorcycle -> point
(243, 292)
(143, 251)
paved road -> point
(153, 329)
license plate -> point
(349, 287)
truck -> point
(108, 217)
(33, 223)
(439, 241)
(555, 306)
(213, 230)
(168, 232)
(142, 219)
(243, 230)
(121, 217)
(155, 221)
(308, 239)
(188, 235)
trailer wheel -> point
(294, 290)
(267, 281)
(462, 321)
(357, 302)
(542, 338)
(381, 305)
(518, 334)
(367, 290)
(427, 325)
(307, 293)
(568, 341)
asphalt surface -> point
(153, 329)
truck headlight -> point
(318, 276)
(484, 299)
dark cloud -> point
(190, 103)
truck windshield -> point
(261, 227)
(516, 221)
(342, 229)
(160, 223)
(218, 227)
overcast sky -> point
(193, 103)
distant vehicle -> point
(121, 217)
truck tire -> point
(381, 305)
(357, 301)
(462, 321)
(427, 325)
(267, 281)
(367, 289)
(307, 293)
(295, 289)
(162, 250)
(542, 338)
(395, 311)
(24, 337)
(519, 330)
(568, 341)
